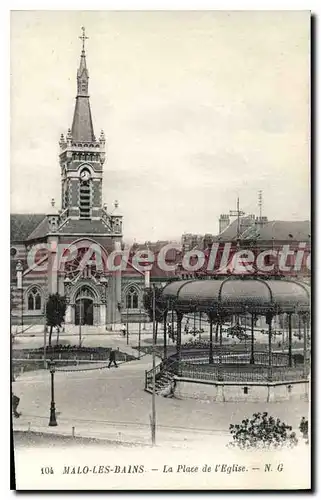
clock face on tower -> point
(85, 175)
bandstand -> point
(218, 372)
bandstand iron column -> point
(179, 316)
(165, 334)
(221, 338)
(269, 317)
(305, 364)
(210, 357)
(172, 320)
(220, 365)
(216, 332)
(252, 361)
(290, 338)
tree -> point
(148, 306)
(262, 431)
(55, 312)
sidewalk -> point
(121, 432)
(115, 340)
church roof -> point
(26, 227)
(21, 225)
(40, 231)
(84, 226)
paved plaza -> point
(112, 404)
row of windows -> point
(84, 157)
(34, 299)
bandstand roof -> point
(234, 295)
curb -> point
(79, 439)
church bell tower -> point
(82, 156)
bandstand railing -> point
(232, 367)
(244, 373)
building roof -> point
(22, 225)
(277, 230)
(285, 230)
(230, 233)
(238, 295)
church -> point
(83, 221)
(65, 250)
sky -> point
(198, 108)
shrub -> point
(304, 429)
(262, 431)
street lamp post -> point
(11, 335)
(45, 332)
(139, 331)
(19, 270)
(80, 320)
(154, 372)
(52, 420)
(127, 322)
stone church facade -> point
(41, 242)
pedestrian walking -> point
(123, 329)
(112, 358)
(15, 403)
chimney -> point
(224, 222)
(261, 220)
(248, 221)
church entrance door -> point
(84, 312)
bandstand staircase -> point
(164, 378)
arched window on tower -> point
(34, 299)
(132, 298)
(85, 194)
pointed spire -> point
(82, 127)
(62, 142)
(82, 73)
(53, 210)
(116, 212)
(69, 137)
(102, 139)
